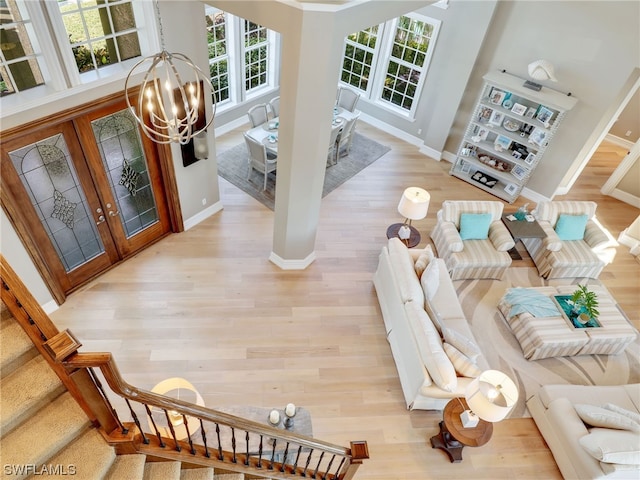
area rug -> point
(500, 347)
(232, 166)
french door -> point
(84, 193)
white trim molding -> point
(202, 215)
(292, 264)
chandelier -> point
(168, 109)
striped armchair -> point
(472, 258)
(556, 258)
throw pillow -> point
(571, 227)
(612, 446)
(601, 417)
(467, 346)
(404, 271)
(430, 348)
(463, 364)
(430, 280)
(635, 416)
(474, 226)
(423, 260)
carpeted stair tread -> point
(228, 476)
(196, 474)
(129, 467)
(162, 471)
(15, 346)
(89, 454)
(42, 436)
(25, 390)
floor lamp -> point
(413, 205)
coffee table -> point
(453, 437)
(520, 229)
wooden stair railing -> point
(280, 454)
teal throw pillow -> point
(474, 226)
(571, 227)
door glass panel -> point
(50, 179)
(118, 139)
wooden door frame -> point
(8, 202)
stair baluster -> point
(204, 440)
(315, 473)
(273, 454)
(260, 452)
(98, 384)
(246, 460)
(306, 465)
(295, 464)
(220, 456)
(339, 468)
(155, 427)
(328, 467)
(186, 427)
(233, 445)
(284, 457)
(172, 430)
(145, 440)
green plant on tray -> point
(586, 302)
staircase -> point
(44, 431)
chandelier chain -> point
(162, 45)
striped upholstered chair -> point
(557, 258)
(486, 257)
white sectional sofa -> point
(553, 408)
(431, 371)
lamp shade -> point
(491, 396)
(414, 203)
(542, 70)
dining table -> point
(267, 133)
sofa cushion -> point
(475, 226)
(620, 470)
(423, 260)
(404, 272)
(612, 446)
(430, 347)
(467, 346)
(571, 227)
(602, 417)
(462, 364)
(430, 280)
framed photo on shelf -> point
(519, 109)
(465, 167)
(538, 136)
(484, 179)
(519, 172)
(502, 143)
(531, 112)
(480, 134)
(496, 118)
(529, 159)
(511, 188)
(544, 116)
(516, 154)
(497, 96)
(485, 114)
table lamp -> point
(490, 397)
(413, 205)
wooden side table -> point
(453, 437)
(414, 237)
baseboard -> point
(622, 142)
(625, 197)
(431, 152)
(533, 196)
(232, 125)
(396, 132)
(292, 264)
(50, 307)
(449, 157)
(202, 215)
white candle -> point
(274, 417)
(290, 410)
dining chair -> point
(334, 140)
(258, 114)
(344, 145)
(258, 159)
(347, 98)
(274, 103)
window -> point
(388, 62)
(19, 55)
(100, 34)
(242, 62)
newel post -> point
(359, 453)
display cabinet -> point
(508, 134)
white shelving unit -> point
(508, 133)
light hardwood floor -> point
(207, 305)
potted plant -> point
(585, 304)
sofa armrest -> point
(446, 238)
(594, 235)
(500, 237)
(552, 241)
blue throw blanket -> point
(527, 300)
